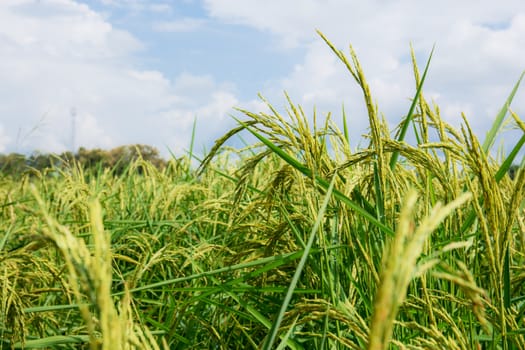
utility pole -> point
(73, 114)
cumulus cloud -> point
(58, 55)
(199, 99)
(478, 57)
(61, 30)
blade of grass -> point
(408, 119)
(283, 259)
(507, 163)
(506, 279)
(49, 308)
(284, 341)
(192, 143)
(496, 126)
(52, 341)
(7, 235)
(380, 205)
(345, 126)
(277, 323)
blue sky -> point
(138, 71)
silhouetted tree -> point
(91, 159)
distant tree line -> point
(117, 159)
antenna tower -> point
(73, 114)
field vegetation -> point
(296, 241)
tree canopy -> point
(117, 159)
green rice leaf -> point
(408, 118)
(500, 117)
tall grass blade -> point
(284, 341)
(509, 160)
(408, 118)
(52, 342)
(270, 262)
(506, 279)
(345, 127)
(380, 204)
(192, 143)
(500, 117)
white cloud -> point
(205, 101)
(291, 20)
(60, 29)
(479, 51)
(75, 58)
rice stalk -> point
(399, 266)
(91, 280)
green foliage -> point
(295, 242)
(13, 163)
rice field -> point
(296, 241)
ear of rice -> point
(399, 265)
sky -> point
(104, 73)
